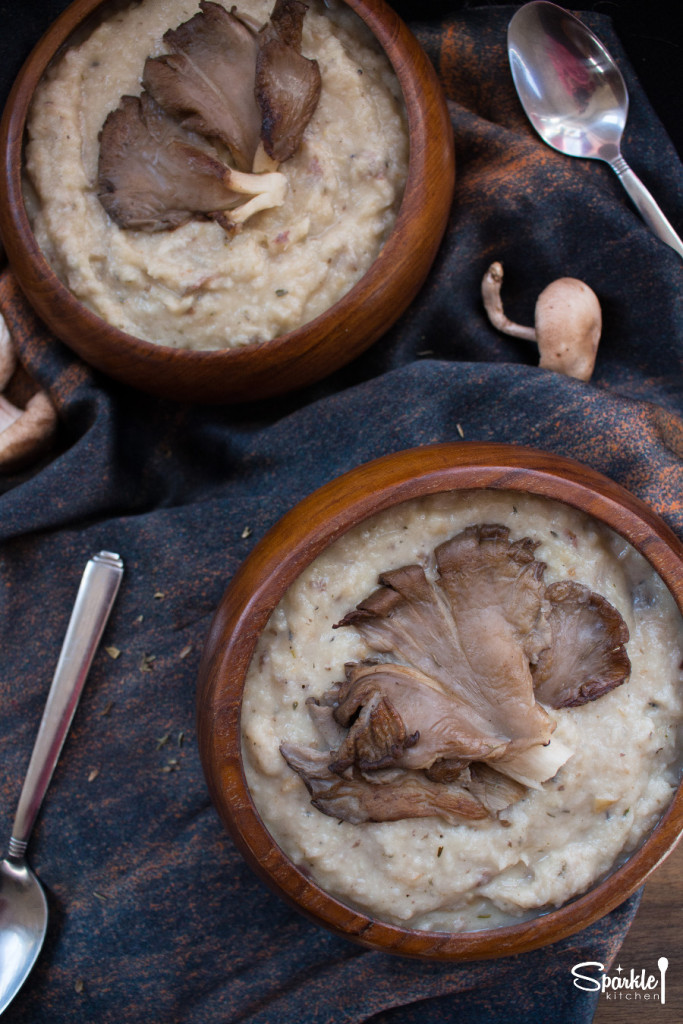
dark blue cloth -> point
(153, 914)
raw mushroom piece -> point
(458, 713)
(568, 323)
(208, 79)
(152, 175)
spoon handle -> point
(645, 204)
(96, 594)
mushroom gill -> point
(458, 719)
(153, 175)
(384, 796)
(587, 657)
(207, 79)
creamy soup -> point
(552, 844)
(196, 287)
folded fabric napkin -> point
(153, 914)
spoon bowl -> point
(575, 97)
(23, 923)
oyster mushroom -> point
(568, 323)
(479, 657)
(153, 175)
(473, 634)
(288, 84)
(226, 82)
(587, 657)
(229, 82)
(386, 796)
(398, 718)
(208, 79)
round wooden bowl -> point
(295, 359)
(279, 558)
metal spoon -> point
(575, 97)
(23, 907)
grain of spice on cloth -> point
(153, 914)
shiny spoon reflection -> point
(575, 97)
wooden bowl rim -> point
(279, 558)
(421, 92)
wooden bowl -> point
(295, 359)
(280, 557)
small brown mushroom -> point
(26, 429)
(568, 322)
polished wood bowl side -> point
(275, 563)
(294, 359)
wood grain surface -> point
(657, 931)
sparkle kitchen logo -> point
(635, 985)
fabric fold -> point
(154, 914)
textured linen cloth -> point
(154, 916)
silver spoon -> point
(23, 907)
(575, 97)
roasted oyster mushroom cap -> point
(408, 616)
(459, 716)
(483, 572)
(288, 84)
(153, 175)
(397, 718)
(387, 796)
(587, 657)
(473, 631)
(208, 79)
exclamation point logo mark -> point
(663, 963)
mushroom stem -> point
(266, 191)
(263, 162)
(271, 184)
(493, 304)
(567, 322)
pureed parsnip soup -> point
(200, 285)
(466, 710)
